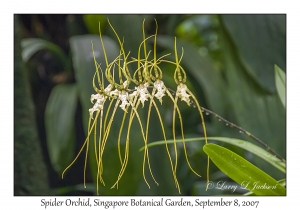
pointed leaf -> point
(251, 105)
(248, 146)
(243, 172)
(60, 125)
(30, 46)
(280, 83)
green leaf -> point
(31, 46)
(60, 125)
(251, 106)
(260, 41)
(243, 172)
(254, 149)
(280, 83)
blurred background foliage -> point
(229, 61)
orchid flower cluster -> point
(148, 76)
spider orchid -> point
(148, 75)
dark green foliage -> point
(229, 61)
(30, 175)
